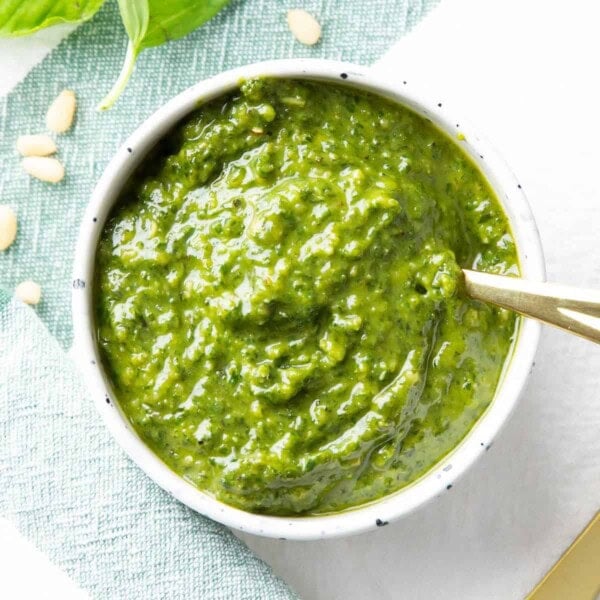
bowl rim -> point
(443, 474)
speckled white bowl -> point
(444, 474)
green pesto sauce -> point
(278, 301)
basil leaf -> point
(21, 17)
(135, 15)
(153, 22)
(174, 19)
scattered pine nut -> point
(8, 226)
(61, 112)
(35, 145)
(29, 292)
(306, 29)
(44, 168)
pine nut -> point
(29, 292)
(44, 168)
(304, 26)
(8, 226)
(59, 117)
(35, 145)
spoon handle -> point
(575, 310)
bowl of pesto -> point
(267, 298)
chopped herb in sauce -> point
(278, 297)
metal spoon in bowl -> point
(575, 310)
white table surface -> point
(526, 73)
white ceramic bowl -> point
(443, 475)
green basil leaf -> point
(21, 17)
(174, 19)
(135, 15)
(153, 22)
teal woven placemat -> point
(88, 62)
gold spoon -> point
(575, 310)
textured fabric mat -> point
(88, 62)
(69, 489)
